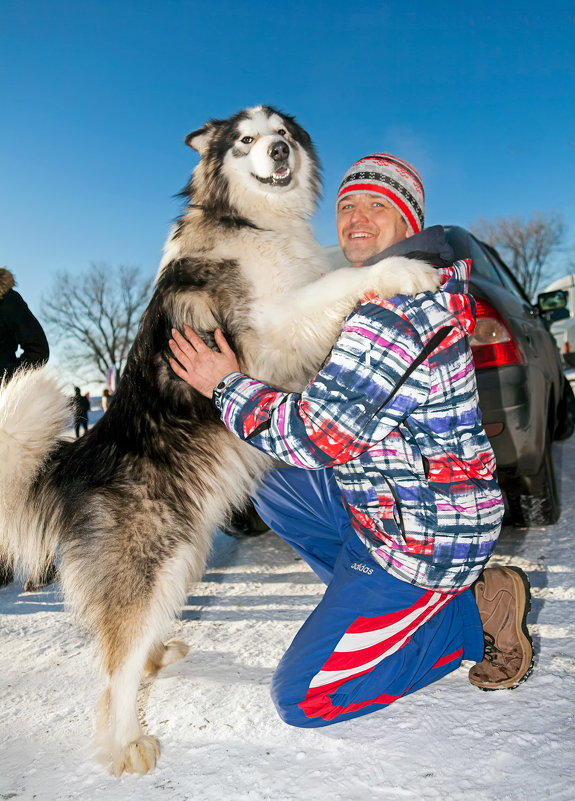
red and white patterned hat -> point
(397, 180)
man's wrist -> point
(220, 388)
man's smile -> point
(360, 235)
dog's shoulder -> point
(194, 272)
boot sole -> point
(521, 582)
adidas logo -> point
(362, 568)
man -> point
(399, 509)
(80, 408)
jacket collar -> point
(429, 241)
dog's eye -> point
(282, 132)
(247, 140)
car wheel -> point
(565, 413)
(542, 507)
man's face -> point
(366, 225)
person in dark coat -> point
(80, 409)
(18, 329)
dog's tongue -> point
(281, 173)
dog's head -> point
(256, 161)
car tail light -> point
(492, 343)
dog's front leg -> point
(398, 275)
(304, 326)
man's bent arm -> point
(358, 397)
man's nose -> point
(359, 214)
(278, 151)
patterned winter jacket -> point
(400, 426)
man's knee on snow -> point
(303, 712)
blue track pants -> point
(372, 638)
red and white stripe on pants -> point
(366, 643)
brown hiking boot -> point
(503, 598)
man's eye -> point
(282, 132)
(247, 140)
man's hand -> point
(199, 366)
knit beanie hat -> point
(392, 177)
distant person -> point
(106, 398)
(18, 329)
(80, 409)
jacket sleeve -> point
(29, 333)
(361, 394)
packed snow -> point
(219, 732)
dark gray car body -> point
(526, 401)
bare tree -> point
(96, 315)
(526, 247)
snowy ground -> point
(220, 735)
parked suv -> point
(525, 399)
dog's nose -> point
(278, 151)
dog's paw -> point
(421, 277)
(175, 649)
(139, 756)
(161, 655)
(401, 276)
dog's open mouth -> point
(280, 177)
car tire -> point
(565, 413)
(542, 507)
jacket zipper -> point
(428, 349)
(398, 507)
(424, 459)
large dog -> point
(129, 509)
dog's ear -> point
(201, 138)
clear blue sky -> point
(97, 97)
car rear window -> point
(466, 247)
(507, 277)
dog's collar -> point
(229, 219)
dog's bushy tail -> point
(34, 413)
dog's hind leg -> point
(127, 634)
(120, 737)
(134, 615)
